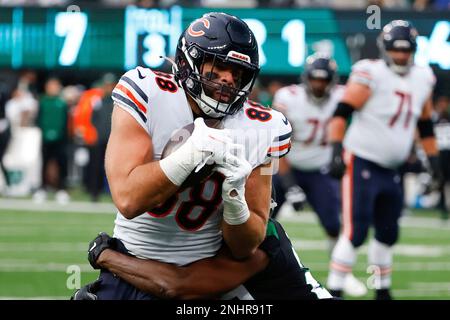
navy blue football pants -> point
(322, 193)
(371, 196)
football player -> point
(442, 128)
(303, 173)
(273, 272)
(216, 65)
(388, 99)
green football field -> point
(41, 252)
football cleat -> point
(353, 287)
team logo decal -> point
(198, 33)
(239, 56)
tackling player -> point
(309, 107)
(388, 99)
(273, 272)
(216, 65)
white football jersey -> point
(187, 227)
(383, 130)
(309, 120)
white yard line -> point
(286, 214)
(400, 249)
(428, 286)
(53, 206)
(397, 293)
(42, 267)
(31, 266)
(309, 217)
(398, 266)
(299, 244)
(43, 246)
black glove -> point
(436, 173)
(294, 194)
(101, 242)
(296, 197)
(87, 292)
(337, 165)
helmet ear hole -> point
(194, 53)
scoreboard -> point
(120, 39)
(124, 38)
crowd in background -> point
(338, 4)
(73, 123)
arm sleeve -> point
(280, 100)
(362, 72)
(281, 137)
(130, 95)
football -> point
(178, 138)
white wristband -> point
(180, 164)
(232, 217)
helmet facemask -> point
(327, 73)
(395, 67)
(331, 81)
(215, 99)
(398, 35)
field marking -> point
(43, 246)
(32, 266)
(409, 250)
(309, 217)
(286, 213)
(428, 286)
(298, 243)
(53, 206)
(398, 266)
(430, 292)
(43, 267)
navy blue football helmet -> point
(221, 39)
(320, 66)
(398, 35)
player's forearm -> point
(244, 239)
(336, 129)
(284, 166)
(206, 278)
(429, 146)
(145, 187)
(157, 278)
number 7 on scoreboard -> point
(71, 25)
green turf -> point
(37, 248)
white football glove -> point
(205, 144)
(236, 170)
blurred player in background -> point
(442, 129)
(303, 173)
(5, 131)
(159, 218)
(389, 98)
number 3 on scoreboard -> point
(71, 25)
